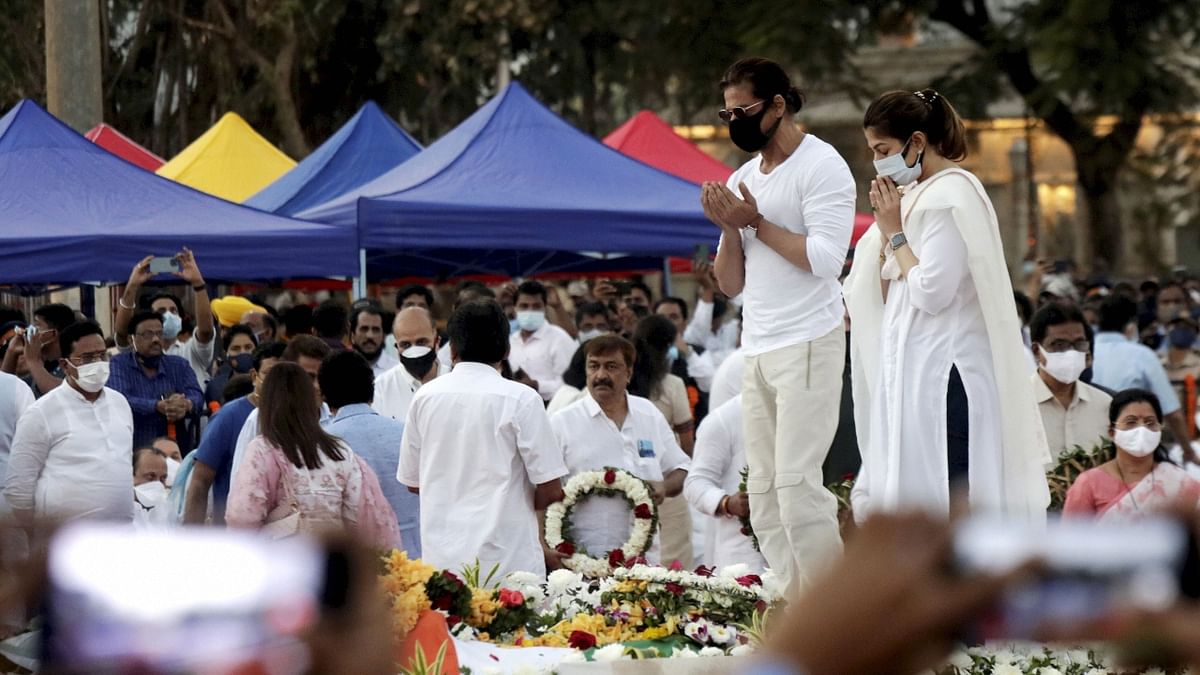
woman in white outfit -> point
(941, 394)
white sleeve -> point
(828, 207)
(670, 455)
(710, 460)
(248, 433)
(942, 268)
(408, 471)
(30, 448)
(699, 329)
(201, 355)
(700, 367)
(536, 442)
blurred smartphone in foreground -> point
(191, 600)
(1088, 570)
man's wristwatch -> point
(898, 240)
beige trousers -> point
(675, 531)
(790, 403)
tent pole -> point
(666, 280)
(360, 283)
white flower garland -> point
(722, 584)
(635, 490)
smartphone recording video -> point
(1089, 570)
(161, 264)
(191, 600)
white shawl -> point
(1025, 452)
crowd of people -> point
(444, 424)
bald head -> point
(414, 327)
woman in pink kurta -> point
(297, 478)
(1141, 479)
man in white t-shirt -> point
(417, 344)
(479, 450)
(783, 246)
(198, 351)
(539, 352)
(610, 428)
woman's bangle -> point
(121, 303)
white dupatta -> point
(1024, 491)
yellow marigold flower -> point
(483, 608)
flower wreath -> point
(608, 482)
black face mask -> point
(747, 133)
(418, 366)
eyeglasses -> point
(1058, 346)
(1133, 423)
(740, 112)
(149, 334)
(85, 359)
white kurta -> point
(15, 398)
(717, 463)
(954, 309)
(476, 445)
(73, 458)
(727, 383)
(394, 391)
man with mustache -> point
(610, 428)
(366, 334)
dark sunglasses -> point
(740, 112)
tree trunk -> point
(1103, 233)
(286, 114)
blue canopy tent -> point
(513, 177)
(73, 212)
(366, 146)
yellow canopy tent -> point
(230, 160)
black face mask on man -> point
(747, 133)
(418, 360)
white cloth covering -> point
(811, 193)
(477, 445)
(394, 391)
(955, 308)
(727, 382)
(15, 398)
(644, 446)
(717, 463)
(73, 458)
(717, 345)
(544, 356)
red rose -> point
(746, 532)
(761, 606)
(511, 598)
(675, 588)
(750, 580)
(643, 511)
(633, 562)
(581, 640)
(442, 603)
(616, 557)
(610, 477)
(453, 579)
(565, 548)
(675, 566)
(703, 571)
(452, 621)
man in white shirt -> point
(610, 428)
(307, 351)
(714, 325)
(783, 246)
(15, 399)
(712, 487)
(198, 351)
(73, 449)
(366, 335)
(1074, 413)
(479, 450)
(539, 352)
(727, 383)
(417, 343)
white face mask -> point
(1138, 441)
(91, 377)
(151, 494)
(531, 320)
(897, 168)
(172, 324)
(586, 335)
(1066, 367)
(172, 469)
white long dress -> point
(954, 309)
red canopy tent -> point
(647, 138)
(122, 146)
